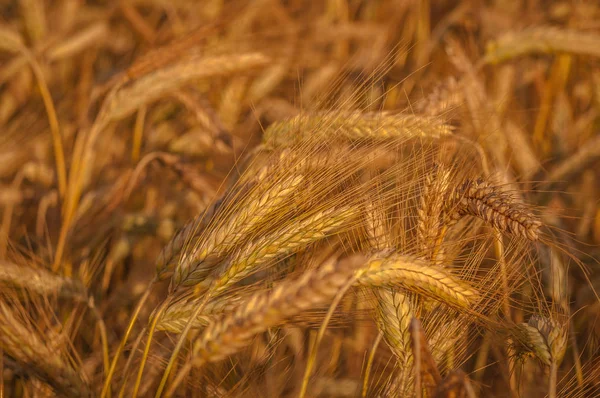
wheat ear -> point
(394, 315)
(545, 338)
(40, 281)
(497, 208)
(542, 39)
(130, 96)
(432, 217)
(168, 257)
(281, 242)
(231, 332)
(394, 309)
(194, 269)
(32, 354)
(175, 318)
(353, 126)
(417, 275)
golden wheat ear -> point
(353, 126)
(39, 281)
(497, 208)
(218, 241)
(33, 354)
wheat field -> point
(296, 198)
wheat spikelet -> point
(535, 343)
(544, 40)
(259, 205)
(417, 275)
(232, 332)
(353, 126)
(39, 281)
(33, 355)
(445, 96)
(281, 242)
(499, 209)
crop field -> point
(300, 198)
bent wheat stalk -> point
(544, 40)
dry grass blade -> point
(39, 281)
(32, 354)
(354, 126)
(417, 275)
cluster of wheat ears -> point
(346, 247)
